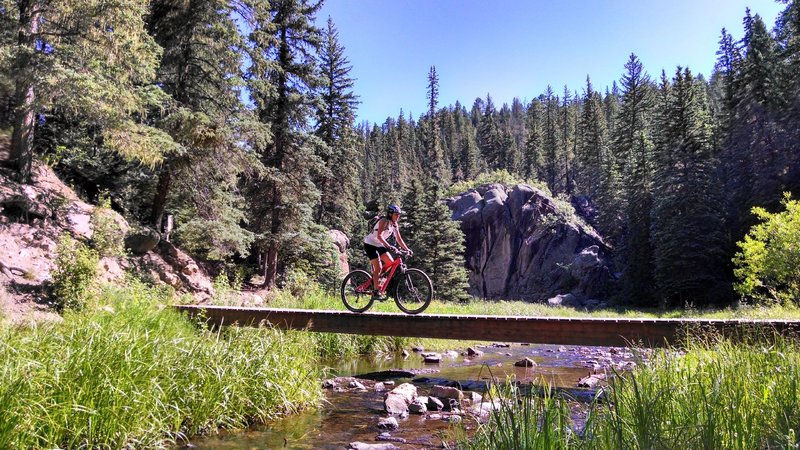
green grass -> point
(128, 372)
(717, 395)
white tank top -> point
(372, 237)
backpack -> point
(372, 222)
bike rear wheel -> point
(357, 291)
(413, 292)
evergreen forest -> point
(238, 117)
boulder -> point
(142, 241)
(434, 404)
(398, 399)
(447, 392)
(418, 406)
(564, 300)
(471, 351)
(526, 362)
(520, 245)
(388, 423)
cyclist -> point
(377, 248)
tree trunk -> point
(271, 263)
(25, 95)
(160, 198)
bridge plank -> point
(538, 330)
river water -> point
(350, 416)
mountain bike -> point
(411, 288)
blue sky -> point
(515, 48)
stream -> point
(350, 416)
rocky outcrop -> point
(341, 241)
(522, 244)
(32, 219)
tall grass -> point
(718, 395)
(524, 420)
(132, 373)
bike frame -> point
(389, 270)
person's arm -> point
(400, 240)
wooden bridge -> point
(536, 330)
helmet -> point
(393, 209)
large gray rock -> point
(398, 399)
(519, 246)
(142, 241)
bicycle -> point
(413, 289)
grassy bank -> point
(127, 372)
(716, 395)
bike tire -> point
(356, 301)
(414, 291)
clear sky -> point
(515, 48)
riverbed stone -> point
(356, 385)
(454, 418)
(483, 409)
(398, 399)
(527, 362)
(471, 351)
(388, 423)
(443, 392)
(433, 358)
(418, 407)
(380, 387)
(387, 437)
(592, 380)
(472, 397)
(365, 446)
(434, 404)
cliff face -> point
(520, 246)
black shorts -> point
(374, 252)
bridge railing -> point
(536, 330)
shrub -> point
(107, 237)
(497, 176)
(73, 278)
(768, 265)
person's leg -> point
(386, 259)
(376, 271)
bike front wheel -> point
(413, 292)
(357, 291)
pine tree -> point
(687, 232)
(200, 70)
(634, 165)
(489, 138)
(108, 42)
(338, 207)
(282, 85)
(532, 166)
(592, 149)
(436, 167)
(550, 141)
(566, 127)
(437, 241)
